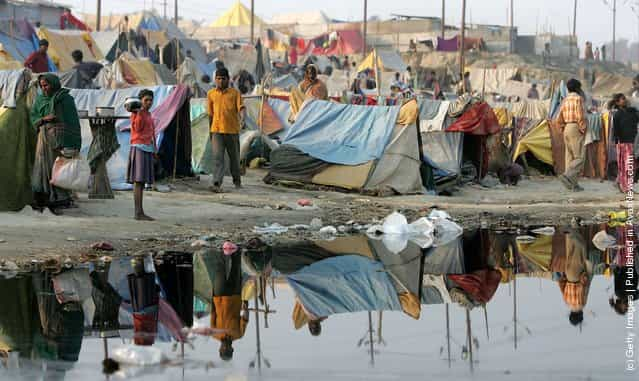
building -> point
(35, 11)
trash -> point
(396, 232)
(328, 230)
(200, 243)
(525, 239)
(304, 202)
(603, 240)
(162, 188)
(436, 213)
(299, 227)
(103, 246)
(316, 223)
(71, 239)
(2, 240)
(9, 265)
(229, 248)
(138, 355)
(342, 229)
(547, 230)
(270, 229)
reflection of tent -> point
(237, 15)
(386, 61)
(537, 254)
(63, 42)
(351, 147)
(170, 110)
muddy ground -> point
(190, 212)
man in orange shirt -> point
(226, 115)
(572, 122)
(228, 311)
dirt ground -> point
(189, 212)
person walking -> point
(625, 121)
(572, 121)
(226, 114)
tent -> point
(349, 147)
(337, 43)
(537, 142)
(63, 42)
(386, 61)
(170, 112)
(301, 18)
(136, 21)
(17, 39)
(237, 15)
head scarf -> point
(45, 104)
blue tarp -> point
(19, 48)
(557, 97)
(342, 134)
(349, 283)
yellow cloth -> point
(226, 315)
(408, 113)
(10, 65)
(300, 318)
(142, 70)
(225, 106)
(504, 117)
(62, 44)
(538, 252)
(237, 15)
(537, 141)
(410, 304)
(296, 100)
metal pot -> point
(104, 111)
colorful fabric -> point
(226, 315)
(625, 157)
(224, 106)
(479, 119)
(316, 89)
(575, 294)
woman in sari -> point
(56, 119)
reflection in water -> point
(48, 315)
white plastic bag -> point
(603, 240)
(72, 174)
(138, 355)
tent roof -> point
(386, 61)
(237, 15)
(63, 42)
(105, 40)
(302, 18)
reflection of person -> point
(625, 121)
(572, 121)
(228, 311)
(55, 117)
(575, 274)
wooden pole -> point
(443, 19)
(177, 115)
(257, 328)
(574, 28)
(365, 25)
(512, 28)
(98, 16)
(252, 22)
(175, 12)
(614, 30)
(370, 337)
(448, 333)
(469, 333)
(461, 44)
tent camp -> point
(170, 112)
(237, 15)
(149, 20)
(63, 42)
(386, 61)
(337, 43)
(350, 147)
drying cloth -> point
(593, 130)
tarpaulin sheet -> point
(18, 48)
(432, 115)
(479, 119)
(237, 15)
(443, 151)
(452, 44)
(349, 283)
(62, 43)
(386, 61)
(491, 80)
(342, 134)
(10, 83)
(538, 142)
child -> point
(625, 120)
(143, 149)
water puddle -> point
(487, 304)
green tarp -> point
(17, 152)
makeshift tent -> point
(171, 59)
(537, 142)
(13, 83)
(237, 15)
(148, 20)
(109, 42)
(190, 75)
(337, 43)
(452, 44)
(17, 39)
(170, 111)
(350, 147)
(491, 80)
(386, 61)
(18, 140)
(128, 71)
(242, 58)
(63, 42)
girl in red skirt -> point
(625, 121)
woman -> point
(55, 117)
(143, 148)
(311, 86)
(625, 120)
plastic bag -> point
(138, 355)
(72, 174)
(603, 240)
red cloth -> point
(479, 119)
(69, 21)
(624, 152)
(38, 62)
(142, 127)
(481, 285)
(145, 328)
(292, 57)
(348, 42)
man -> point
(88, 70)
(228, 311)
(533, 93)
(226, 114)
(38, 61)
(572, 121)
(603, 53)
(407, 77)
(463, 87)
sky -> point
(594, 17)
